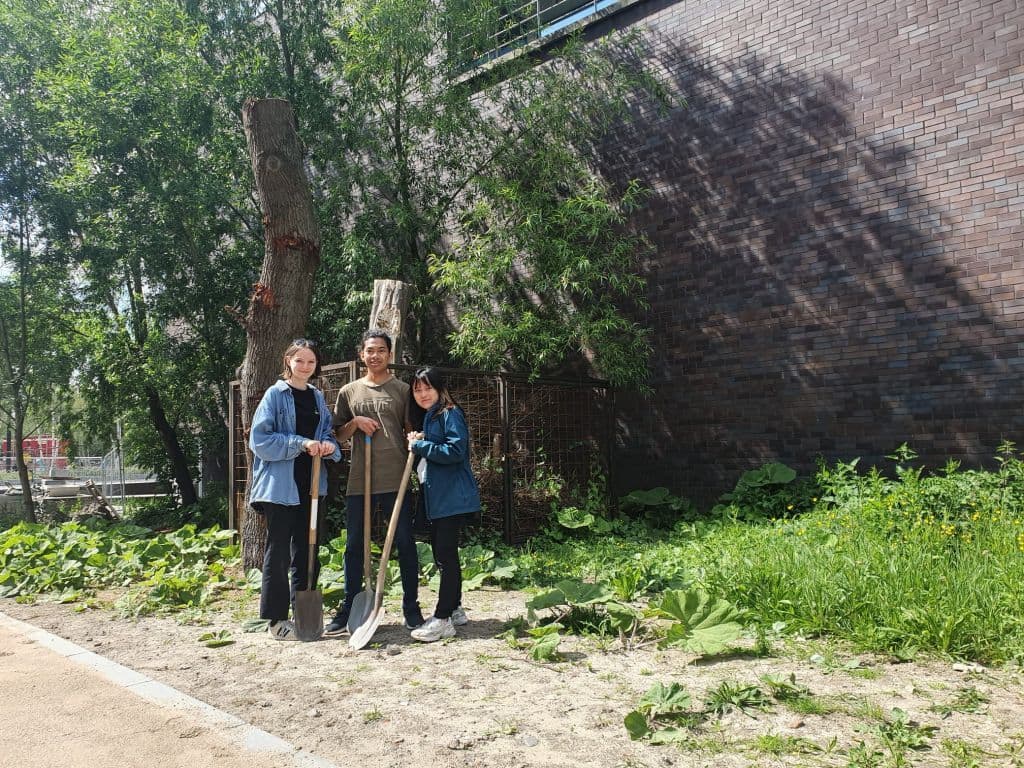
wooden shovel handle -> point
(314, 493)
(392, 527)
(367, 505)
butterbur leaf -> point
(636, 724)
(705, 625)
(670, 736)
(581, 593)
(545, 648)
(574, 517)
(648, 498)
(665, 699)
(622, 617)
(548, 599)
(216, 639)
(503, 570)
(254, 625)
(475, 582)
(547, 629)
(253, 580)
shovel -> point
(362, 603)
(309, 603)
(363, 634)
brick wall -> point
(838, 218)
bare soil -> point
(475, 701)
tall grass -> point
(934, 563)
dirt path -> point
(478, 702)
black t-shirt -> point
(307, 417)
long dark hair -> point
(434, 378)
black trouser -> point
(444, 543)
(287, 546)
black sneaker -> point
(414, 618)
(338, 625)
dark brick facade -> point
(838, 220)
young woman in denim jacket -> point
(448, 491)
(292, 424)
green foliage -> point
(700, 623)
(217, 639)
(906, 565)
(166, 571)
(658, 507)
(585, 608)
(729, 696)
(771, 491)
(479, 566)
(659, 713)
(898, 733)
(967, 699)
(546, 639)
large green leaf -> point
(704, 624)
(585, 593)
(637, 726)
(664, 699)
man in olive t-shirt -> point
(375, 406)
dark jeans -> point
(444, 542)
(408, 561)
(287, 549)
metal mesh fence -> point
(535, 444)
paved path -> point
(62, 706)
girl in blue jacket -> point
(292, 424)
(448, 491)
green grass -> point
(903, 564)
(915, 563)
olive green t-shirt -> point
(386, 404)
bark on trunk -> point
(280, 301)
(28, 506)
(389, 312)
(169, 437)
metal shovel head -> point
(362, 605)
(309, 615)
(364, 633)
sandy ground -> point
(476, 701)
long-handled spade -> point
(309, 603)
(361, 636)
(362, 603)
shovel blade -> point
(363, 634)
(309, 615)
(362, 607)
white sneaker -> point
(282, 630)
(459, 617)
(434, 629)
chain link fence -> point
(536, 444)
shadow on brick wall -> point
(805, 297)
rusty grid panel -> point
(559, 436)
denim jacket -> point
(275, 445)
(449, 487)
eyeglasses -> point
(303, 343)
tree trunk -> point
(168, 436)
(28, 505)
(280, 301)
(390, 309)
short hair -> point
(294, 347)
(374, 333)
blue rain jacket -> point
(449, 487)
(275, 445)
